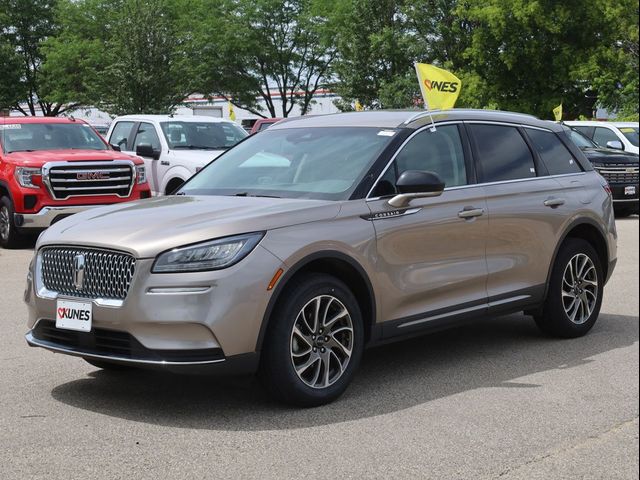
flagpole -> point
(424, 98)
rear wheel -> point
(575, 291)
(9, 235)
(314, 343)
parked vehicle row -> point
(616, 135)
(306, 243)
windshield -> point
(317, 163)
(202, 135)
(631, 133)
(30, 137)
(581, 140)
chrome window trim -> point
(111, 163)
(458, 187)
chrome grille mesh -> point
(619, 173)
(72, 180)
(107, 274)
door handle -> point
(470, 212)
(554, 202)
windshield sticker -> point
(11, 126)
(628, 130)
(386, 133)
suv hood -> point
(40, 157)
(148, 227)
(609, 156)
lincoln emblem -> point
(78, 272)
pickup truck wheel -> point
(314, 342)
(575, 291)
(9, 236)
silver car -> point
(301, 246)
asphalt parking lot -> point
(489, 400)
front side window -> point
(440, 152)
(553, 153)
(202, 135)
(21, 137)
(317, 163)
(146, 135)
(120, 135)
(603, 135)
(631, 134)
(503, 153)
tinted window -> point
(147, 135)
(604, 135)
(631, 133)
(587, 131)
(440, 152)
(553, 153)
(120, 134)
(504, 155)
(202, 135)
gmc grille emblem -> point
(78, 272)
(92, 176)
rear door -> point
(527, 209)
(431, 256)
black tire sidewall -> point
(14, 237)
(554, 319)
(276, 366)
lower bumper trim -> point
(48, 215)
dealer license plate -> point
(631, 190)
(74, 315)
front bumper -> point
(47, 216)
(205, 322)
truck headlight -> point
(210, 255)
(141, 174)
(24, 176)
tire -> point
(572, 307)
(9, 235)
(329, 367)
(112, 367)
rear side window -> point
(120, 135)
(553, 153)
(503, 153)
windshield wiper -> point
(246, 194)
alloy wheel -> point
(579, 288)
(5, 223)
(321, 341)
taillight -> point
(607, 189)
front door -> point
(431, 256)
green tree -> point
(123, 56)
(253, 49)
(24, 26)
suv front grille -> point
(619, 173)
(72, 180)
(107, 274)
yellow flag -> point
(232, 113)
(557, 112)
(440, 88)
(358, 106)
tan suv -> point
(321, 236)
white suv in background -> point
(618, 135)
(173, 147)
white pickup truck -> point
(173, 147)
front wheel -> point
(575, 291)
(9, 235)
(314, 343)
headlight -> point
(24, 175)
(212, 255)
(141, 174)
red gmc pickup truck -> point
(53, 167)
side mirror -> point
(146, 150)
(414, 184)
(615, 144)
(115, 147)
